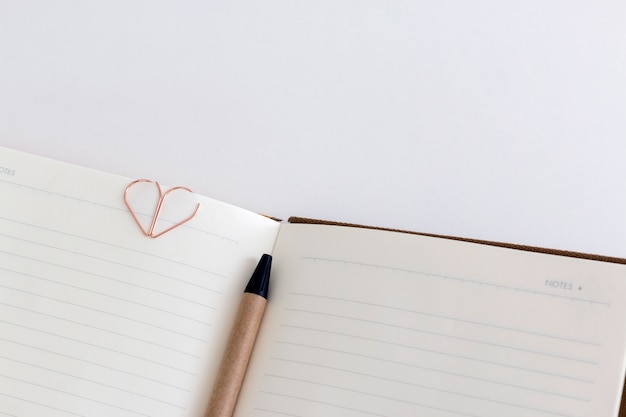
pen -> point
(240, 342)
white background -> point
(500, 120)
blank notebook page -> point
(368, 323)
(97, 319)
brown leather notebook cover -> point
(622, 410)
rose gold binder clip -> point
(157, 211)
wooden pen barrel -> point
(236, 356)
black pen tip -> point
(260, 281)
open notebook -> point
(97, 319)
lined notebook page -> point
(369, 323)
(97, 319)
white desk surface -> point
(485, 119)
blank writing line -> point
(274, 412)
(421, 404)
(100, 311)
(97, 346)
(104, 206)
(93, 382)
(439, 316)
(325, 403)
(436, 352)
(41, 404)
(96, 364)
(363, 411)
(113, 262)
(424, 386)
(74, 395)
(105, 295)
(552, 355)
(472, 281)
(130, 284)
(441, 371)
(103, 330)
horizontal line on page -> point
(325, 403)
(348, 353)
(41, 405)
(444, 335)
(145, 378)
(439, 316)
(107, 296)
(540, 391)
(75, 395)
(93, 382)
(363, 411)
(130, 355)
(478, 282)
(102, 311)
(102, 330)
(107, 261)
(436, 352)
(475, 397)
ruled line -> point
(103, 330)
(98, 347)
(119, 209)
(471, 281)
(17, 255)
(105, 295)
(94, 382)
(440, 371)
(429, 351)
(75, 395)
(444, 335)
(102, 311)
(460, 320)
(326, 403)
(508, 404)
(122, 371)
(41, 405)
(206, 271)
(274, 412)
(349, 371)
(363, 411)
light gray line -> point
(75, 395)
(64, 196)
(552, 355)
(366, 412)
(106, 295)
(434, 352)
(274, 412)
(41, 404)
(96, 364)
(98, 346)
(425, 368)
(114, 262)
(99, 311)
(111, 208)
(420, 404)
(119, 280)
(424, 386)
(439, 316)
(93, 382)
(324, 403)
(489, 284)
(103, 330)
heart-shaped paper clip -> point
(155, 217)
